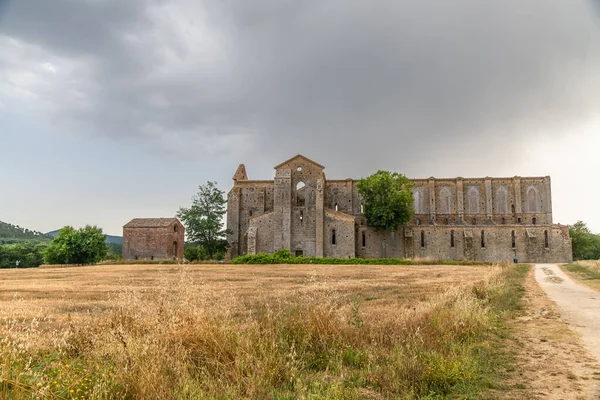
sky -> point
(112, 110)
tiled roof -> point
(150, 222)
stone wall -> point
(303, 208)
(153, 243)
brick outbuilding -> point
(153, 239)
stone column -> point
(517, 189)
(320, 210)
(488, 198)
(460, 207)
(548, 200)
(283, 209)
(432, 199)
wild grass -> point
(586, 270)
(188, 341)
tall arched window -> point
(473, 200)
(445, 201)
(532, 200)
(422, 238)
(482, 239)
(333, 236)
(418, 201)
(502, 200)
(336, 206)
(300, 194)
(174, 249)
(546, 240)
(451, 238)
(513, 239)
(364, 239)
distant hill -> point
(109, 238)
(10, 233)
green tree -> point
(204, 219)
(387, 200)
(586, 245)
(83, 246)
(198, 253)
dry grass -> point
(224, 331)
(586, 272)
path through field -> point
(579, 305)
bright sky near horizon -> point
(111, 110)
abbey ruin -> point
(487, 219)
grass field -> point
(229, 331)
(586, 272)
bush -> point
(196, 253)
(285, 257)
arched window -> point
(335, 206)
(513, 237)
(451, 238)
(502, 200)
(532, 200)
(445, 201)
(175, 227)
(473, 200)
(364, 239)
(301, 216)
(249, 214)
(333, 236)
(418, 201)
(300, 194)
(546, 240)
(174, 249)
(422, 238)
(417, 221)
(482, 239)
(362, 209)
(534, 220)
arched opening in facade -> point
(300, 194)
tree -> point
(585, 244)
(204, 219)
(83, 246)
(387, 200)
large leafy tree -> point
(387, 200)
(585, 244)
(203, 220)
(71, 246)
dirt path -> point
(579, 305)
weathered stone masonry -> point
(153, 239)
(489, 219)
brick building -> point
(488, 219)
(153, 239)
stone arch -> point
(300, 194)
(502, 200)
(532, 200)
(445, 201)
(473, 200)
(418, 201)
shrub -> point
(285, 257)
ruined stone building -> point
(488, 219)
(153, 239)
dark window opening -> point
(446, 221)
(417, 221)
(422, 239)
(503, 220)
(174, 249)
(175, 228)
(546, 240)
(533, 220)
(151, 258)
(519, 220)
(482, 239)
(451, 238)
(333, 236)
(250, 213)
(298, 253)
(474, 221)
(513, 236)
(136, 257)
(364, 239)
(512, 208)
(336, 206)
(301, 216)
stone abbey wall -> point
(302, 211)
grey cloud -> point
(385, 80)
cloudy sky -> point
(113, 109)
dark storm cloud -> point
(383, 80)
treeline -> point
(11, 234)
(586, 245)
(22, 255)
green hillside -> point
(10, 233)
